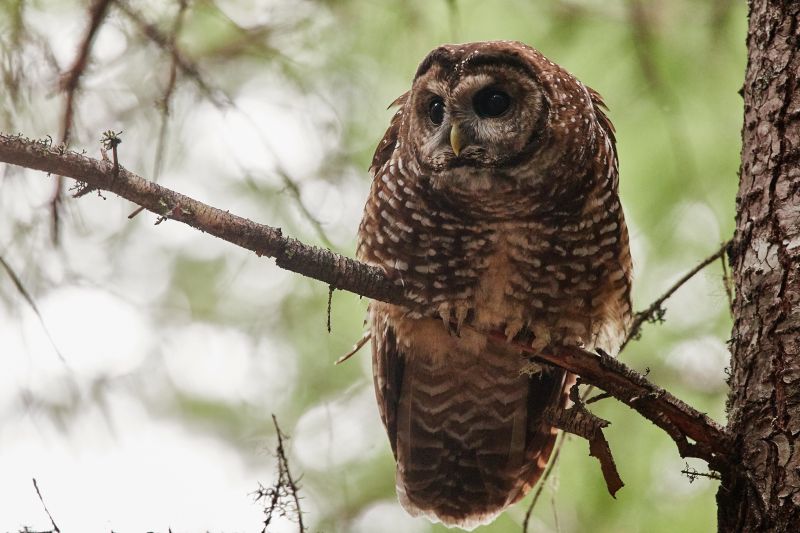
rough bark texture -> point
(762, 493)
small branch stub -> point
(579, 421)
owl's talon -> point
(541, 338)
(393, 274)
(462, 310)
(445, 311)
(513, 328)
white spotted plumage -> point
(519, 231)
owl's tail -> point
(470, 435)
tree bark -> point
(762, 491)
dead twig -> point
(282, 498)
(15, 279)
(358, 345)
(655, 311)
(579, 421)
(163, 41)
(166, 99)
(70, 84)
(293, 188)
(39, 493)
(727, 281)
(330, 304)
(693, 474)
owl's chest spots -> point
(490, 303)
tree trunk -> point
(761, 492)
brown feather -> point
(467, 432)
(523, 232)
(385, 148)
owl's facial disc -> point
(480, 115)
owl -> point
(494, 203)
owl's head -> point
(474, 105)
(495, 105)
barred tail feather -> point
(470, 439)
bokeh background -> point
(140, 397)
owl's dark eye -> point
(491, 102)
(436, 111)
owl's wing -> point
(385, 148)
(387, 369)
(602, 118)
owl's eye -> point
(436, 111)
(491, 102)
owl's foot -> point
(393, 273)
(541, 338)
(513, 327)
(453, 316)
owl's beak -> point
(456, 139)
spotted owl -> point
(494, 203)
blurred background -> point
(139, 391)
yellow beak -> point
(455, 139)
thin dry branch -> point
(331, 268)
(165, 102)
(695, 433)
(173, 77)
(562, 436)
(283, 497)
(163, 41)
(579, 421)
(46, 510)
(15, 279)
(294, 190)
(655, 310)
(70, 83)
(356, 347)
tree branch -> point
(579, 421)
(655, 311)
(69, 84)
(695, 433)
(163, 41)
(341, 272)
(46, 510)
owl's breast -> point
(561, 279)
(550, 282)
(493, 299)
